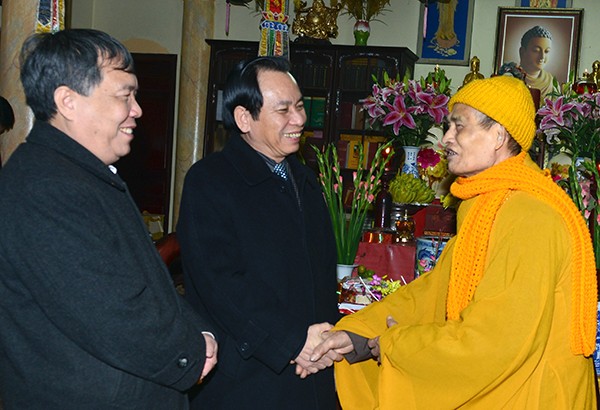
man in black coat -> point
(89, 317)
(258, 250)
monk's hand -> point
(374, 347)
(374, 343)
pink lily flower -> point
(372, 107)
(399, 116)
(554, 113)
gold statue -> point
(318, 21)
(474, 74)
(594, 76)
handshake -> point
(321, 349)
(324, 347)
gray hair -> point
(487, 122)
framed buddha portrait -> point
(540, 44)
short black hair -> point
(242, 87)
(73, 58)
(7, 115)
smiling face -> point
(277, 130)
(103, 121)
(535, 56)
(470, 147)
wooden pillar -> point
(18, 22)
(198, 24)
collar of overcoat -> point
(54, 139)
(253, 169)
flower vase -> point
(344, 271)
(410, 161)
(362, 31)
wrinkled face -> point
(105, 119)
(277, 130)
(470, 148)
(535, 56)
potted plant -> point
(348, 227)
(364, 11)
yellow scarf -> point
(492, 187)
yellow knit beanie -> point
(504, 99)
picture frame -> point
(564, 26)
(68, 13)
(445, 33)
(545, 4)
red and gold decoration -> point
(50, 16)
(274, 30)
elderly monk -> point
(507, 319)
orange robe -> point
(509, 349)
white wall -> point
(144, 26)
(399, 27)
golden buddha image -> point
(317, 21)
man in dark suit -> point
(90, 319)
(258, 250)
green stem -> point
(348, 232)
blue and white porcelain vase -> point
(410, 161)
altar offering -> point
(359, 291)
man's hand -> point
(304, 366)
(335, 345)
(211, 355)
